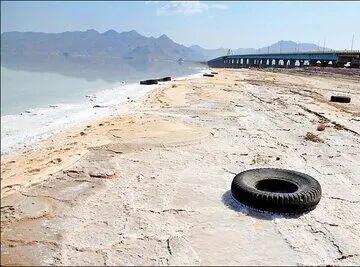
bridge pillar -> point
(324, 63)
(338, 64)
(301, 63)
(264, 63)
(292, 63)
(312, 63)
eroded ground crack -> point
(168, 246)
(172, 211)
(336, 124)
(347, 256)
(343, 199)
(332, 241)
(229, 171)
(45, 196)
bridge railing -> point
(336, 58)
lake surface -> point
(42, 97)
(23, 90)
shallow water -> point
(23, 90)
(38, 100)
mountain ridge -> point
(126, 45)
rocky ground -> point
(152, 187)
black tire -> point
(340, 99)
(276, 190)
(149, 82)
(165, 79)
(208, 75)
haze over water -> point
(40, 97)
(29, 84)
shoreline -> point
(74, 132)
(55, 118)
(152, 187)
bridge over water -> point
(327, 58)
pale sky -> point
(208, 24)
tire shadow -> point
(230, 202)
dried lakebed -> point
(152, 187)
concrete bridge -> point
(327, 58)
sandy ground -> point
(152, 187)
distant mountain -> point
(208, 53)
(125, 46)
(130, 47)
(281, 46)
(288, 47)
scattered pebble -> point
(321, 127)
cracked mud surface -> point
(152, 187)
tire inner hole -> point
(276, 186)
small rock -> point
(321, 127)
(277, 158)
(101, 173)
(82, 133)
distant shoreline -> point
(25, 130)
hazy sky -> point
(209, 24)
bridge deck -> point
(337, 58)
